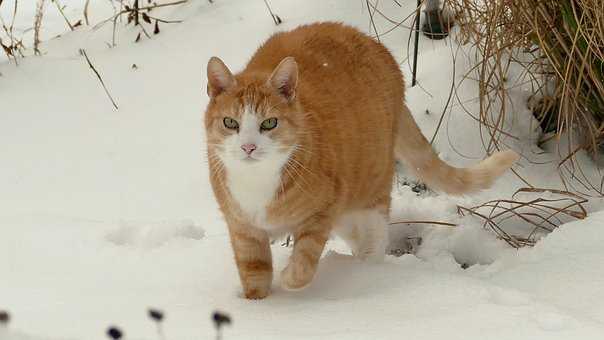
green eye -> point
(268, 124)
(230, 123)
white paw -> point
(294, 277)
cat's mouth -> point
(255, 157)
(250, 159)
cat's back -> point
(335, 61)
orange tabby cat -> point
(304, 141)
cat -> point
(304, 141)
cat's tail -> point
(417, 154)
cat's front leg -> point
(254, 261)
(309, 242)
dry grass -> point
(532, 212)
(139, 15)
(560, 45)
(11, 45)
(502, 38)
(542, 214)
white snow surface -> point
(105, 213)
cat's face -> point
(251, 122)
(247, 133)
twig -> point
(12, 23)
(275, 17)
(451, 91)
(135, 13)
(415, 48)
(164, 20)
(425, 222)
(540, 213)
(38, 26)
(86, 12)
(135, 10)
(144, 8)
(377, 35)
(396, 24)
(15, 45)
(56, 2)
(83, 53)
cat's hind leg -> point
(365, 231)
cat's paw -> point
(256, 293)
(296, 277)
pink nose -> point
(248, 148)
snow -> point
(105, 213)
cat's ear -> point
(220, 78)
(285, 78)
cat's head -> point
(253, 118)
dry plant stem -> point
(447, 224)
(38, 25)
(447, 105)
(86, 12)
(540, 213)
(83, 53)
(509, 239)
(136, 10)
(145, 31)
(270, 11)
(522, 178)
(144, 8)
(416, 44)
(12, 23)
(377, 35)
(396, 24)
(164, 20)
(58, 5)
(117, 16)
(15, 45)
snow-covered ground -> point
(104, 213)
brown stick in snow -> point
(83, 53)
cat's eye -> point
(268, 124)
(230, 123)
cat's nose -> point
(248, 148)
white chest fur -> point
(255, 180)
(253, 187)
